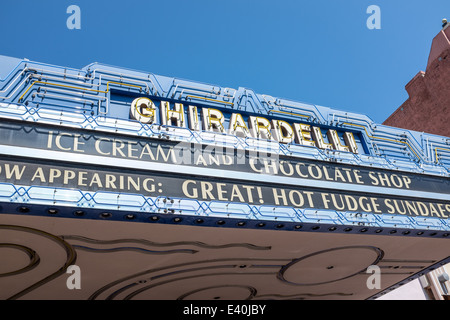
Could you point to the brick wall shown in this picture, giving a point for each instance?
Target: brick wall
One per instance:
(428, 107)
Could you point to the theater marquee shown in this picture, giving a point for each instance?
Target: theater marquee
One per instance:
(307, 194)
(161, 188)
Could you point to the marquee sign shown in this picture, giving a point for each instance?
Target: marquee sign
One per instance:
(302, 173)
(107, 160)
(210, 189)
(145, 110)
(213, 157)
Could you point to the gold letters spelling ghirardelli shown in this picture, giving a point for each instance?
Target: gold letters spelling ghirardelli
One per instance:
(144, 110)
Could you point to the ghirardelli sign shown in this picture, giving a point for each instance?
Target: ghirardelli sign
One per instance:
(150, 111)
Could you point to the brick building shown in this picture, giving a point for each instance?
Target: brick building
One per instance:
(428, 107)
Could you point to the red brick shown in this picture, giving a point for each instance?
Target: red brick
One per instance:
(428, 107)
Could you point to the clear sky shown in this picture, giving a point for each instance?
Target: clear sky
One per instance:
(319, 52)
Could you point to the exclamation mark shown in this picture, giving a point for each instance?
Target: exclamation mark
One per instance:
(260, 194)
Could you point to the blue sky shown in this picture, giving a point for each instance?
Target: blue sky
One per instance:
(319, 52)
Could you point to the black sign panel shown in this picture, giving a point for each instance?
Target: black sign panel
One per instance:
(153, 184)
(85, 142)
